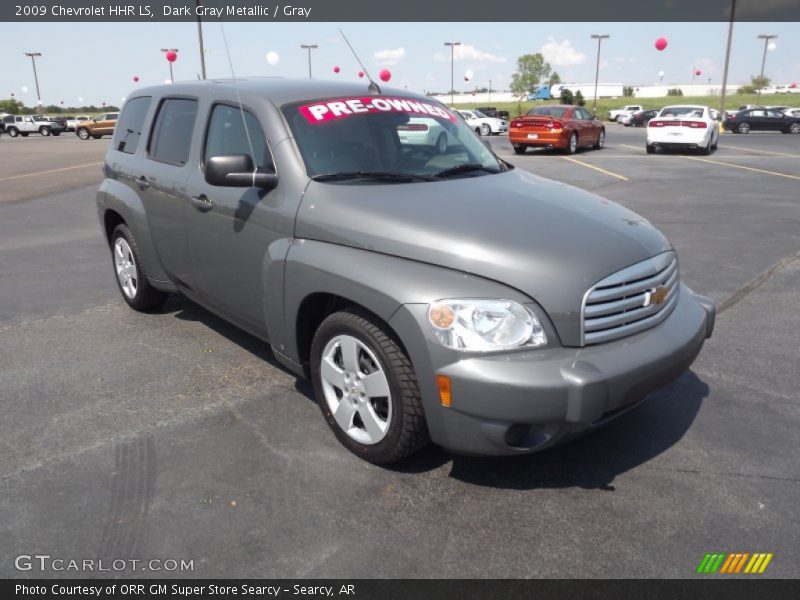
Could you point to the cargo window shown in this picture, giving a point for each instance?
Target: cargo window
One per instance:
(226, 134)
(171, 139)
(129, 129)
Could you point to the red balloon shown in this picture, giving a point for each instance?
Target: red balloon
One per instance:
(698, 72)
(136, 78)
(172, 56)
(336, 69)
(385, 75)
(104, 103)
(62, 102)
(793, 86)
(12, 94)
(661, 44)
(466, 78)
(361, 73)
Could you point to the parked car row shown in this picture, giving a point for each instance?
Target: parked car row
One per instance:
(764, 119)
(84, 127)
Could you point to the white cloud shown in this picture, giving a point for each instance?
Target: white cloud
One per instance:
(562, 54)
(469, 52)
(389, 57)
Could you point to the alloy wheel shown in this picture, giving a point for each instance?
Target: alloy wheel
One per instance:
(125, 266)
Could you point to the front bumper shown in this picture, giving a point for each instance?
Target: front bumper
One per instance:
(521, 402)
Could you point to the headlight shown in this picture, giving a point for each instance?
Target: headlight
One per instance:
(485, 324)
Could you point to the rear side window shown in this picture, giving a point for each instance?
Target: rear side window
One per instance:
(172, 133)
(129, 129)
(227, 135)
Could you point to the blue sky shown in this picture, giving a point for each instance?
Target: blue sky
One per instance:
(97, 61)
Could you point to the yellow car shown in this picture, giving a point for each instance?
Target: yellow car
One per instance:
(97, 127)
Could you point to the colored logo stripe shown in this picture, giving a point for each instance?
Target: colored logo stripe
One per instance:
(734, 562)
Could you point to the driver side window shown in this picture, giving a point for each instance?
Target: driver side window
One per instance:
(228, 130)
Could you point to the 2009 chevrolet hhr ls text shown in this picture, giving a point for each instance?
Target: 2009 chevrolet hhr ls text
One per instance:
(430, 291)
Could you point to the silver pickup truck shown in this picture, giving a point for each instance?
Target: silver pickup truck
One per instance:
(430, 292)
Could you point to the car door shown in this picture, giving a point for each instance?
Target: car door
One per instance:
(161, 181)
(581, 121)
(106, 126)
(776, 121)
(230, 229)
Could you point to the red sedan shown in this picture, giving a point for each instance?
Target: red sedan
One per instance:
(563, 127)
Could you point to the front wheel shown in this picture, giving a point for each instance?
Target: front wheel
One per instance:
(366, 388)
(485, 129)
(131, 277)
(601, 140)
(744, 128)
(794, 128)
(83, 133)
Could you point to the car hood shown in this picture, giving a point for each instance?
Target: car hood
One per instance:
(546, 239)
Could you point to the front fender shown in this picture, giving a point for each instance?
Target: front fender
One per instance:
(116, 196)
(378, 282)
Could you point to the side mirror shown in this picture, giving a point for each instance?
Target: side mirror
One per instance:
(237, 170)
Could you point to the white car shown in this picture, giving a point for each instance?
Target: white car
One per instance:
(614, 115)
(482, 124)
(422, 131)
(73, 122)
(683, 126)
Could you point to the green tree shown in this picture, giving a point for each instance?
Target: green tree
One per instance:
(554, 79)
(11, 106)
(579, 99)
(627, 91)
(566, 96)
(756, 83)
(531, 69)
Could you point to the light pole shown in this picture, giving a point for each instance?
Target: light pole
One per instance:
(727, 62)
(309, 47)
(452, 70)
(165, 50)
(33, 56)
(199, 3)
(490, 91)
(766, 39)
(599, 38)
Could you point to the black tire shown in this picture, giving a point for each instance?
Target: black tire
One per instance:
(44, 130)
(520, 149)
(407, 431)
(601, 140)
(97, 137)
(147, 297)
(650, 149)
(55, 133)
(572, 145)
(486, 130)
(708, 149)
(13, 132)
(83, 133)
(441, 143)
(743, 128)
(794, 128)
(24, 133)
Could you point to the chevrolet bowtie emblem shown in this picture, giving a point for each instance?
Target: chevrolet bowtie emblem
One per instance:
(655, 296)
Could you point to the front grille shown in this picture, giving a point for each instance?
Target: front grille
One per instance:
(627, 302)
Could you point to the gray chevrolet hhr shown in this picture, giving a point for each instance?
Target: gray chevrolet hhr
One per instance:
(430, 290)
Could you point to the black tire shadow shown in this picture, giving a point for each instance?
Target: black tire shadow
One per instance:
(589, 462)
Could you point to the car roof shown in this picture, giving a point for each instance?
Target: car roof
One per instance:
(279, 90)
(685, 106)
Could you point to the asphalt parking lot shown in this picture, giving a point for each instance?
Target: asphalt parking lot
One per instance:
(174, 435)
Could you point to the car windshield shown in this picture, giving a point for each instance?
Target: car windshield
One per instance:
(479, 114)
(387, 140)
(548, 111)
(682, 111)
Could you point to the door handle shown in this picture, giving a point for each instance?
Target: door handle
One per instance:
(143, 183)
(201, 203)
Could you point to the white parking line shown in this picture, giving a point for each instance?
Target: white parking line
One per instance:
(50, 171)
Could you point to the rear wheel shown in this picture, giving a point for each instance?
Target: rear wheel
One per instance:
(572, 144)
(708, 148)
(44, 130)
(83, 133)
(13, 131)
(520, 149)
(744, 128)
(55, 133)
(650, 149)
(131, 278)
(366, 388)
(24, 133)
(441, 143)
(97, 137)
(485, 129)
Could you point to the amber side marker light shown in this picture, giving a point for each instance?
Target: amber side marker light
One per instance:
(443, 383)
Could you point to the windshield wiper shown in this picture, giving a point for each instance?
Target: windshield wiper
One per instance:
(379, 175)
(465, 168)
